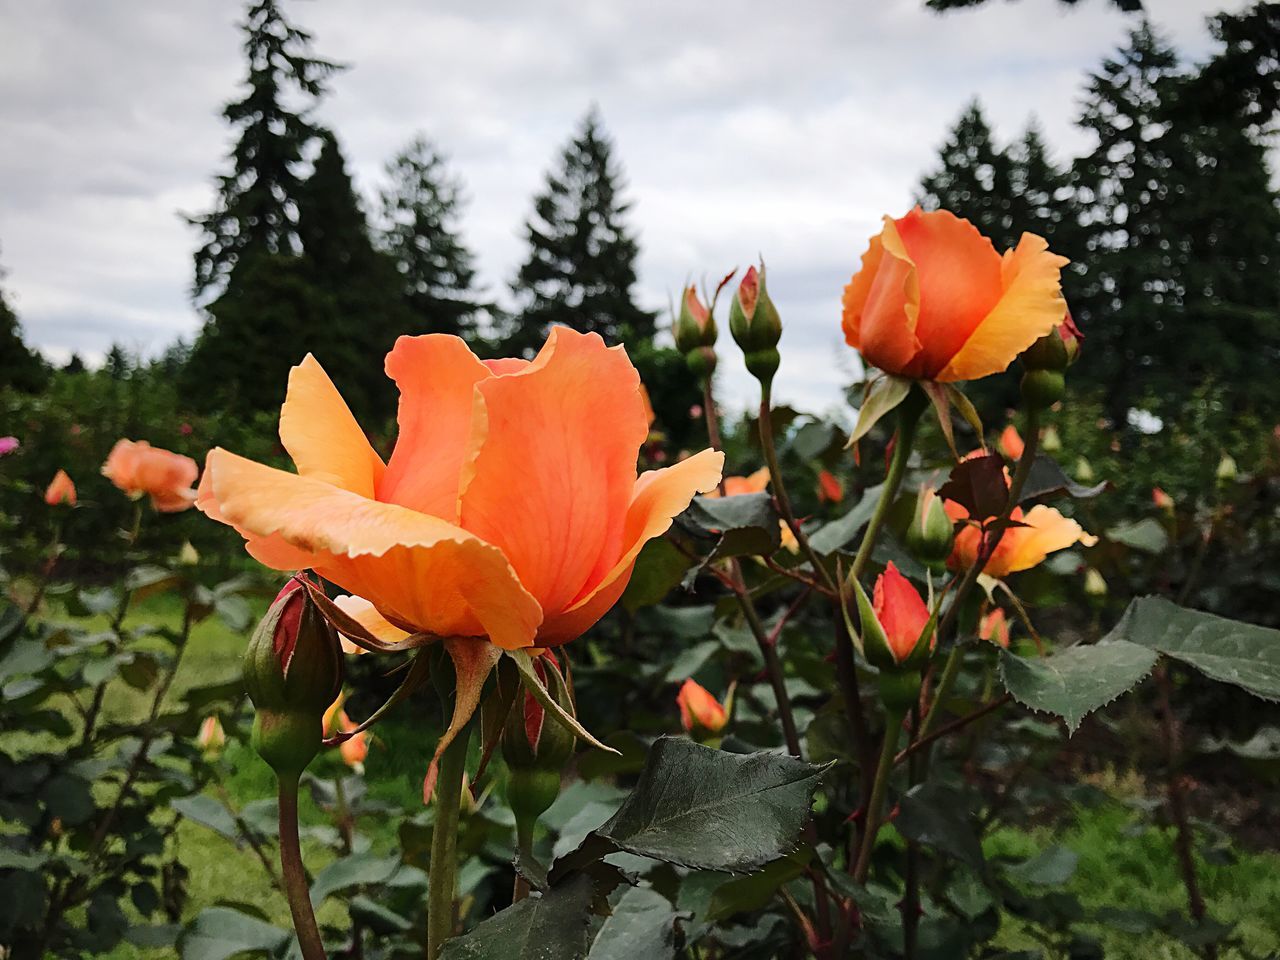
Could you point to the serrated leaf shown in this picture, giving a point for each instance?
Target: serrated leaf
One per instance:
(1242, 654)
(746, 524)
(642, 925)
(1146, 535)
(743, 894)
(935, 815)
(883, 396)
(1077, 681)
(709, 810)
(221, 932)
(552, 926)
(840, 532)
(1047, 479)
(659, 569)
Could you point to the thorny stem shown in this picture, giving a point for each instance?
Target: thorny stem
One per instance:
(295, 874)
(955, 725)
(442, 879)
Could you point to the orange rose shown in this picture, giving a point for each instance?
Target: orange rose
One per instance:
(1044, 531)
(355, 748)
(60, 490)
(510, 508)
(994, 626)
(901, 612)
(1011, 443)
(757, 482)
(139, 468)
(830, 489)
(934, 301)
(699, 709)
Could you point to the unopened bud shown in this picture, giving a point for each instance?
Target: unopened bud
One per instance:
(1043, 388)
(695, 326)
(1226, 471)
(188, 556)
(1094, 584)
(1056, 350)
(1050, 442)
(292, 673)
(756, 326)
(1083, 470)
(536, 748)
(701, 714)
(931, 533)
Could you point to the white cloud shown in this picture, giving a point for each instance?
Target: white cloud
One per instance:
(782, 129)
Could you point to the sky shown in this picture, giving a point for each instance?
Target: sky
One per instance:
(745, 129)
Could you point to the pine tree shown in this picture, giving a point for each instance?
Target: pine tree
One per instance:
(581, 263)
(1043, 198)
(255, 213)
(20, 367)
(359, 282)
(421, 207)
(975, 179)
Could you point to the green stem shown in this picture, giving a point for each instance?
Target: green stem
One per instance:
(443, 876)
(524, 843)
(295, 874)
(908, 417)
(893, 725)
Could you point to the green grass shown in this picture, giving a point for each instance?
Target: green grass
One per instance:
(1121, 864)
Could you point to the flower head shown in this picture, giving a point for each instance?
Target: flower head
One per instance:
(935, 301)
(994, 626)
(140, 469)
(60, 490)
(900, 611)
(1037, 533)
(700, 712)
(8, 445)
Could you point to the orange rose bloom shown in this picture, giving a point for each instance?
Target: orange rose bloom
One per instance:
(994, 626)
(510, 508)
(60, 490)
(355, 748)
(698, 708)
(757, 482)
(139, 468)
(1011, 443)
(1021, 548)
(934, 301)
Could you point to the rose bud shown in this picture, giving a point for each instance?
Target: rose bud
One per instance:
(211, 738)
(536, 747)
(701, 714)
(695, 334)
(1227, 470)
(897, 636)
(292, 673)
(756, 326)
(931, 532)
(995, 627)
(60, 490)
(1162, 500)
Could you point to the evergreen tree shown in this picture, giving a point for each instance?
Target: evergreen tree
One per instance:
(255, 213)
(20, 367)
(1043, 198)
(581, 263)
(975, 179)
(421, 207)
(359, 282)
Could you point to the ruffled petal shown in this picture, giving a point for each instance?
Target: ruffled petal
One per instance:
(1046, 531)
(958, 271)
(881, 304)
(553, 462)
(1030, 306)
(660, 495)
(367, 615)
(320, 434)
(436, 374)
(422, 573)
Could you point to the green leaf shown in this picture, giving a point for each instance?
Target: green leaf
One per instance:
(552, 926)
(353, 871)
(743, 894)
(814, 439)
(840, 532)
(1050, 868)
(659, 569)
(746, 524)
(1078, 680)
(207, 812)
(221, 932)
(1146, 535)
(690, 660)
(709, 810)
(377, 918)
(1047, 479)
(883, 396)
(144, 581)
(1242, 654)
(25, 657)
(642, 925)
(935, 815)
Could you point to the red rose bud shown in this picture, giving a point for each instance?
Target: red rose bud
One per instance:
(830, 489)
(292, 673)
(897, 628)
(931, 532)
(536, 747)
(701, 714)
(1057, 349)
(756, 326)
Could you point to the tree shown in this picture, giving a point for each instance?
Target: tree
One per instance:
(20, 367)
(421, 207)
(255, 212)
(974, 180)
(581, 263)
(359, 282)
(1043, 198)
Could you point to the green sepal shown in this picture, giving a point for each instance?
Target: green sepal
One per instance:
(875, 643)
(899, 691)
(882, 396)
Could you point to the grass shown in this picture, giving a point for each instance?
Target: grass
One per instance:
(1122, 863)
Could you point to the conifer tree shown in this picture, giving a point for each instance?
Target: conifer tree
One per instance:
(420, 208)
(974, 180)
(1043, 197)
(581, 263)
(21, 368)
(256, 209)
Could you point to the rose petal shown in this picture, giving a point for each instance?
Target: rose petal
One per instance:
(882, 302)
(320, 434)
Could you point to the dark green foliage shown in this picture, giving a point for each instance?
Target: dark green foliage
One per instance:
(581, 263)
(419, 228)
(20, 367)
(256, 211)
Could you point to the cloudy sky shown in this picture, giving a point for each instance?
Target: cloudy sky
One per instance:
(750, 127)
